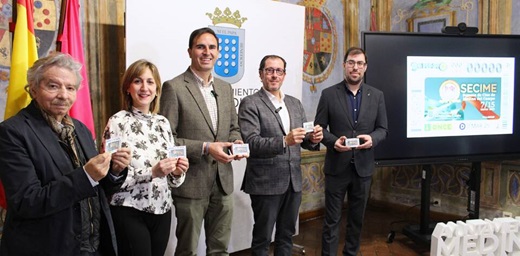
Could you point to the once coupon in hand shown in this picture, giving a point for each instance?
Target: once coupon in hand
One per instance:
(352, 142)
(112, 145)
(308, 126)
(177, 151)
(241, 149)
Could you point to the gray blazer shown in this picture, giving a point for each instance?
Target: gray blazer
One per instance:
(184, 106)
(270, 167)
(334, 113)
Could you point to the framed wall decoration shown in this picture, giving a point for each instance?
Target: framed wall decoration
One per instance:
(431, 19)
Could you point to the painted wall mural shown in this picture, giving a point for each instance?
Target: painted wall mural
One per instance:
(432, 15)
(45, 17)
(320, 50)
(323, 43)
(515, 21)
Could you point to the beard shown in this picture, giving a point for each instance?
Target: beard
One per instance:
(354, 81)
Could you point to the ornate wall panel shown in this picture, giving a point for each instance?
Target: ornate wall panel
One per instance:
(313, 197)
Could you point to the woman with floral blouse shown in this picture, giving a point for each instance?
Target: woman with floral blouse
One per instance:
(141, 209)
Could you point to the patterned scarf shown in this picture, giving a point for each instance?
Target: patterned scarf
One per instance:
(65, 132)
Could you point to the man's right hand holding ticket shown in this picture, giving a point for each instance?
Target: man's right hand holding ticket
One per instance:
(316, 135)
(218, 151)
(340, 146)
(295, 136)
(97, 167)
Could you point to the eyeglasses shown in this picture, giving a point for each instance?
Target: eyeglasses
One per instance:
(271, 71)
(351, 63)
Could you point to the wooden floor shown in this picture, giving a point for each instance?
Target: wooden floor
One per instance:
(377, 226)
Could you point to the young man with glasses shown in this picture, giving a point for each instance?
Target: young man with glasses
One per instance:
(271, 122)
(355, 115)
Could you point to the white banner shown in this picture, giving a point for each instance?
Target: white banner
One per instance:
(159, 31)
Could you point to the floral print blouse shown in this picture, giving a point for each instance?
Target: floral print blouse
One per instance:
(148, 136)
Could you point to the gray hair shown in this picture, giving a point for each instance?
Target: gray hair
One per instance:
(35, 74)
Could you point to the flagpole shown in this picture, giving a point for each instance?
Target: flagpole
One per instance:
(14, 14)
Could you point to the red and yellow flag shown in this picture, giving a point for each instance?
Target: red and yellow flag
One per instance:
(23, 55)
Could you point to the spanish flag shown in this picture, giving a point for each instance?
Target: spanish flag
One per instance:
(23, 55)
(71, 42)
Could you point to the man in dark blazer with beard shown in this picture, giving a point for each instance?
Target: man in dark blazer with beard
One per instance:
(271, 122)
(350, 109)
(55, 181)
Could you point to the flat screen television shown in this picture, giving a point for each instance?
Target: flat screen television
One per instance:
(449, 98)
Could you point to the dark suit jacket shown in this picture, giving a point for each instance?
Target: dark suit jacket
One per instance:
(271, 167)
(43, 189)
(334, 115)
(184, 106)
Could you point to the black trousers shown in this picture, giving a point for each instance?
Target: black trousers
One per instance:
(140, 233)
(357, 190)
(271, 210)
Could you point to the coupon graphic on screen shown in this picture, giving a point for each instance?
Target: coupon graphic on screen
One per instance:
(462, 98)
(459, 96)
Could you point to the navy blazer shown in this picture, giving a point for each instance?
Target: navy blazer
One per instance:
(334, 115)
(271, 167)
(43, 189)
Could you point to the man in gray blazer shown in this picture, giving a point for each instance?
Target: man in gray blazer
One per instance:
(350, 109)
(271, 122)
(203, 117)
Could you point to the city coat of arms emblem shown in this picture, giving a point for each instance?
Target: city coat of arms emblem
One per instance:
(230, 63)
